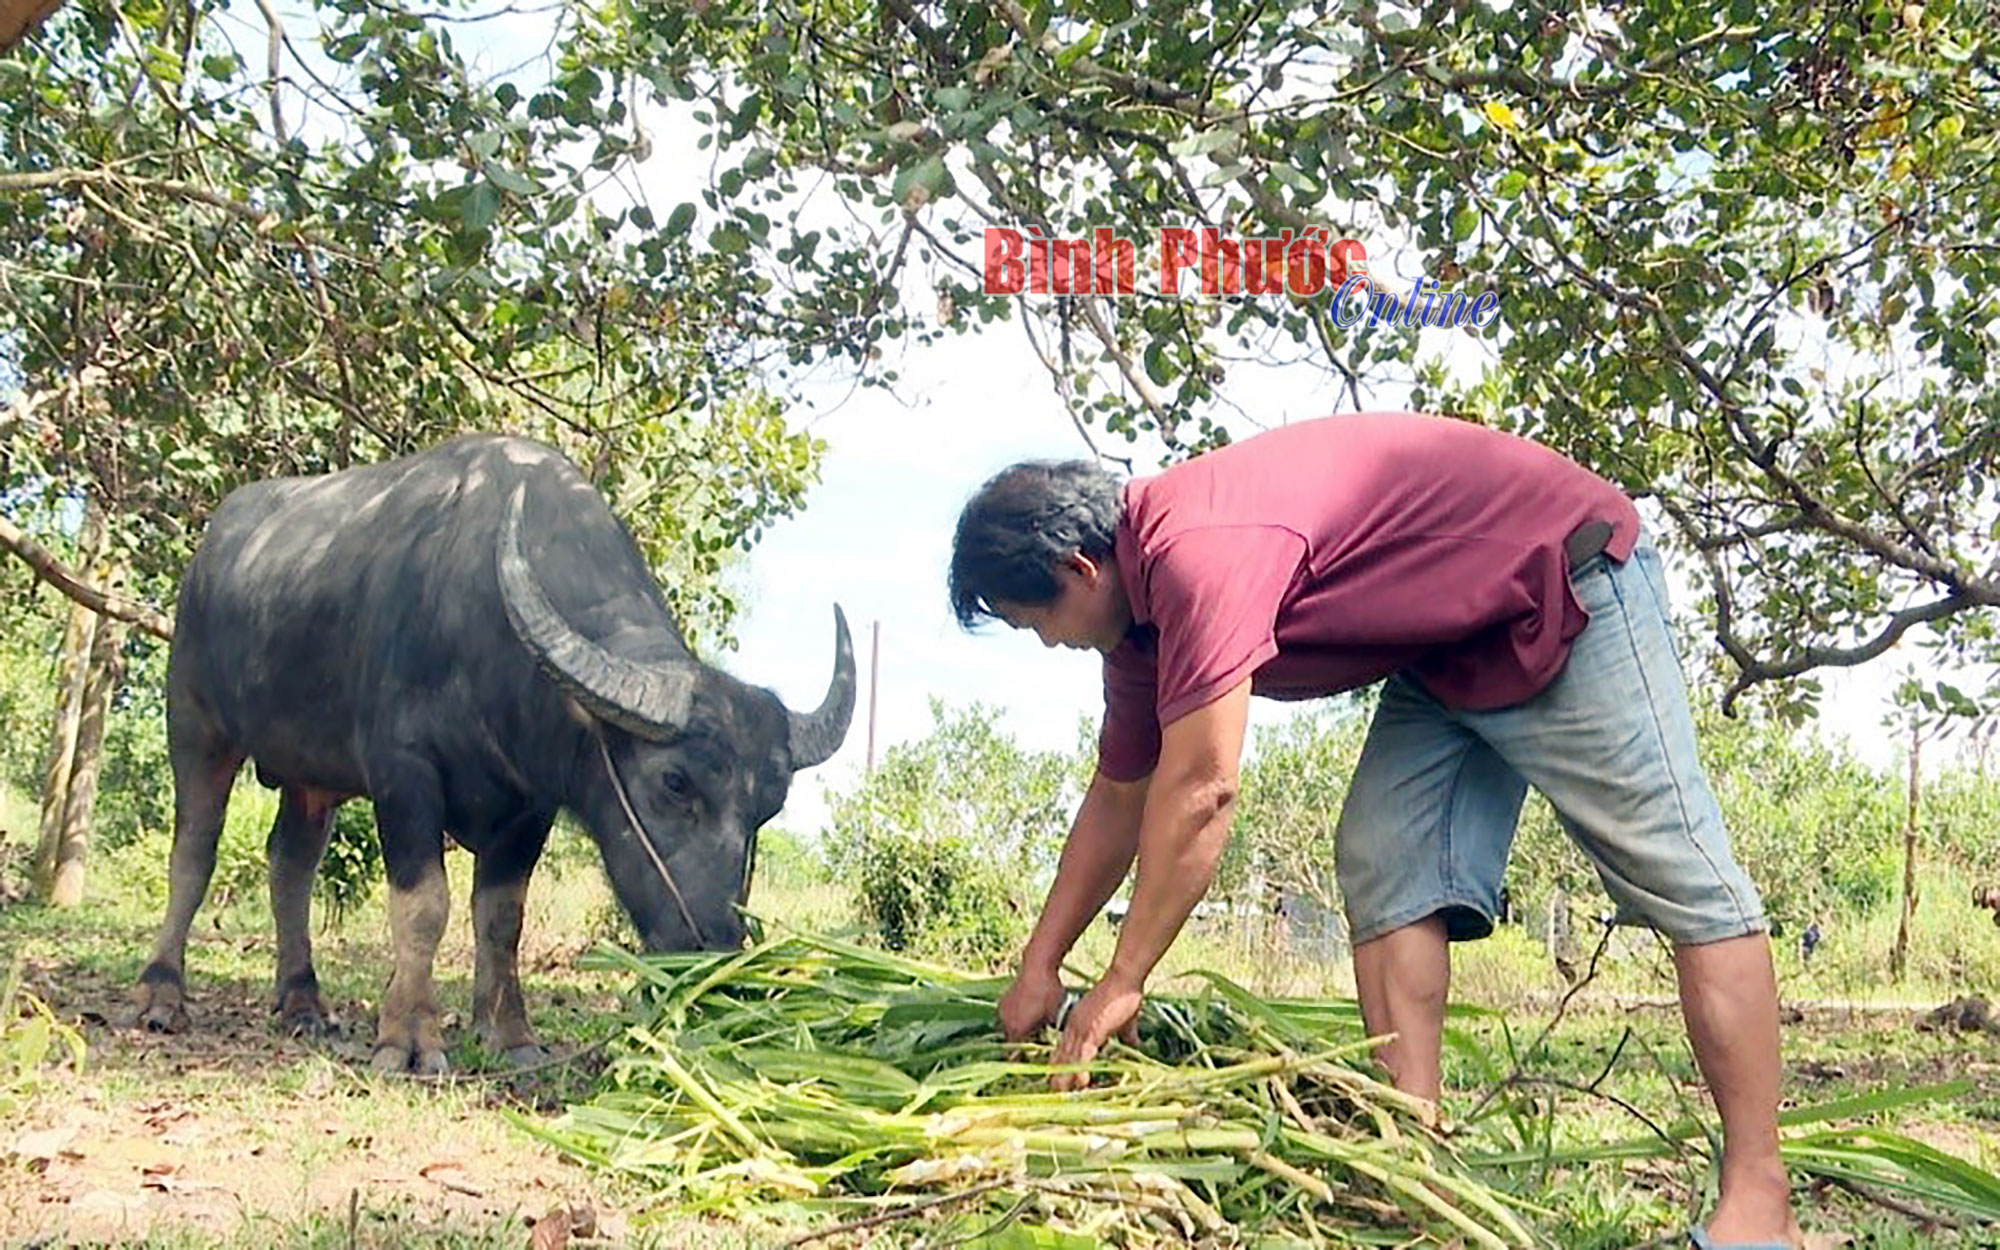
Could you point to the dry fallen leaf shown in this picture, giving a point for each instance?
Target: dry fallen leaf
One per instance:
(165, 1178)
(163, 1118)
(551, 1231)
(108, 1202)
(187, 1135)
(439, 1174)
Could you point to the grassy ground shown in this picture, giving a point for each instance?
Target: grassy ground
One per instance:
(233, 1135)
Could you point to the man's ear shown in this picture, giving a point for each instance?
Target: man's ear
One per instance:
(1083, 566)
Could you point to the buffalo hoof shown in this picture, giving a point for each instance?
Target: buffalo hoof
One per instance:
(396, 1058)
(157, 1007)
(300, 1017)
(526, 1056)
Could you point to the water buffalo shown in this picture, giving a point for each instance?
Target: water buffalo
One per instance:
(471, 639)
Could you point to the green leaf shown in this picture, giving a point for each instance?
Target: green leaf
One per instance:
(1019, 1236)
(508, 180)
(1080, 49)
(482, 205)
(927, 176)
(1293, 178)
(681, 220)
(1203, 142)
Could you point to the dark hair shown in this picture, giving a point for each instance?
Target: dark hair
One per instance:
(1025, 521)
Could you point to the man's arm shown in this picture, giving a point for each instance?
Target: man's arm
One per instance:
(1188, 808)
(1103, 839)
(1184, 829)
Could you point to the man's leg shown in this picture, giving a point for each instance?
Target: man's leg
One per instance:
(1402, 978)
(1611, 742)
(1729, 998)
(1420, 853)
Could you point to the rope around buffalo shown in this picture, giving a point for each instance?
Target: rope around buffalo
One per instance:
(639, 832)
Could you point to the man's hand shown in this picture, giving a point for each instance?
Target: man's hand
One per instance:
(1031, 1002)
(1110, 1009)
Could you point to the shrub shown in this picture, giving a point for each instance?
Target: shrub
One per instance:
(32, 1039)
(786, 861)
(353, 862)
(140, 868)
(936, 896)
(948, 843)
(135, 792)
(34, 618)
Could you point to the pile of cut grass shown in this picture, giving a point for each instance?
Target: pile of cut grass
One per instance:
(813, 1084)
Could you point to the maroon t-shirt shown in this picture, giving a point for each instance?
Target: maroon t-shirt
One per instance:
(1323, 556)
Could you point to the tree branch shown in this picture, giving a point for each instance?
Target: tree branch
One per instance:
(50, 569)
(1753, 670)
(1137, 86)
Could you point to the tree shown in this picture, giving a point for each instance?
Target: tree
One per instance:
(222, 271)
(950, 841)
(227, 264)
(92, 659)
(1925, 716)
(1744, 254)
(1292, 789)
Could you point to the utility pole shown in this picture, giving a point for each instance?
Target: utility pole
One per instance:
(874, 678)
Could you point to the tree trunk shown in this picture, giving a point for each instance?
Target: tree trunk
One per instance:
(1561, 940)
(1899, 955)
(107, 668)
(90, 669)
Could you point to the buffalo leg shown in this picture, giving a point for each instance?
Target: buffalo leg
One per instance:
(298, 842)
(409, 817)
(499, 894)
(201, 799)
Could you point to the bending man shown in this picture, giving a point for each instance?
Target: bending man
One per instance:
(1518, 618)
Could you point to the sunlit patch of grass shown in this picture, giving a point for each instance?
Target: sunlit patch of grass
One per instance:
(1605, 1211)
(18, 816)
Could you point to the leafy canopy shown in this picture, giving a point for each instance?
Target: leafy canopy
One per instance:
(1746, 253)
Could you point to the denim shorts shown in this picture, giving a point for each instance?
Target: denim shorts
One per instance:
(1433, 806)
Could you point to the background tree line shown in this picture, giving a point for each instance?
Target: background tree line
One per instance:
(950, 843)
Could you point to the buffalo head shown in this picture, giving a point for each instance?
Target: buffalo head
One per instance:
(686, 765)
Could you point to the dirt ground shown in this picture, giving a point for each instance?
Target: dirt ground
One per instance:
(232, 1122)
(232, 1133)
